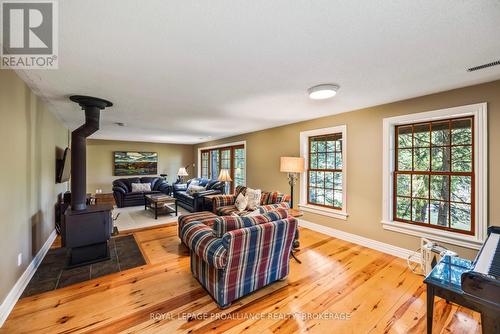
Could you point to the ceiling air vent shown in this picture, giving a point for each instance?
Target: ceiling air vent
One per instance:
(481, 67)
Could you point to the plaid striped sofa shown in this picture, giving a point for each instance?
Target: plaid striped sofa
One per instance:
(223, 205)
(238, 255)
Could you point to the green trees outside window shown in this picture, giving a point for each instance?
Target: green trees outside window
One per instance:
(325, 171)
(434, 174)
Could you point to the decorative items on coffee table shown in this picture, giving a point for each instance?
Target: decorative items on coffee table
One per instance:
(160, 204)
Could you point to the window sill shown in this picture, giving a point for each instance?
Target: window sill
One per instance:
(323, 211)
(456, 239)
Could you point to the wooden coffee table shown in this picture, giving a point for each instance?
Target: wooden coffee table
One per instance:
(160, 204)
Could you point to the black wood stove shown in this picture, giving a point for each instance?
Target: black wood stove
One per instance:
(86, 229)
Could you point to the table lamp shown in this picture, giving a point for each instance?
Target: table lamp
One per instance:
(181, 173)
(293, 166)
(224, 177)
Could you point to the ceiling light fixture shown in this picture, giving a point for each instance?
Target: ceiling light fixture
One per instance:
(324, 91)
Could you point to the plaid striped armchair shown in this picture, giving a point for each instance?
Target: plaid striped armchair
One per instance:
(223, 205)
(239, 255)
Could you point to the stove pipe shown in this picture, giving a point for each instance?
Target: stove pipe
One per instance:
(92, 107)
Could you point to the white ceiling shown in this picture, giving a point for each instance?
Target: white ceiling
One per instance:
(188, 71)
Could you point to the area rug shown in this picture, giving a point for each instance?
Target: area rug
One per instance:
(135, 217)
(51, 274)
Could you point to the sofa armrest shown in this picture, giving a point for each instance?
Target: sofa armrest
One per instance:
(206, 192)
(179, 187)
(119, 189)
(165, 188)
(222, 200)
(200, 240)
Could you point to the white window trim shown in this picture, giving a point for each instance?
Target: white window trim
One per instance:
(244, 143)
(304, 153)
(479, 111)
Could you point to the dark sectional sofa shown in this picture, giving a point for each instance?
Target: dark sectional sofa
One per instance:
(195, 202)
(122, 190)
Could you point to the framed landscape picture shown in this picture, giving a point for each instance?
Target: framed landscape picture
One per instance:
(135, 163)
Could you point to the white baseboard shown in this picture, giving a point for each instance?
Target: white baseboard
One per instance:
(356, 239)
(14, 294)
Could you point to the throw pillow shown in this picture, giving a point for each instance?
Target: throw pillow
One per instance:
(193, 189)
(141, 187)
(240, 190)
(253, 198)
(241, 202)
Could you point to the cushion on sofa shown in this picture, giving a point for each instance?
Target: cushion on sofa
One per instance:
(193, 189)
(211, 184)
(269, 197)
(141, 187)
(240, 190)
(225, 224)
(241, 202)
(228, 210)
(272, 207)
(253, 198)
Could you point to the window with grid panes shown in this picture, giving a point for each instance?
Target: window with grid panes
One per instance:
(434, 174)
(239, 167)
(232, 158)
(214, 164)
(204, 164)
(324, 186)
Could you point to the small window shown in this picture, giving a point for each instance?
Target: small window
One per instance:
(434, 174)
(324, 173)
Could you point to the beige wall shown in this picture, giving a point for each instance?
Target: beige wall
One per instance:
(100, 160)
(31, 138)
(364, 159)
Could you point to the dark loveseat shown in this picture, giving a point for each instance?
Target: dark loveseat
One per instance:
(122, 190)
(195, 202)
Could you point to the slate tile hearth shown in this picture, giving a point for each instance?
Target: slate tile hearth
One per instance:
(51, 274)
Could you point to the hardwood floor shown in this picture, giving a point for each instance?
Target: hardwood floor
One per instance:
(378, 292)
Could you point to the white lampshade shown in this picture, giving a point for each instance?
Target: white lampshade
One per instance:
(182, 172)
(224, 176)
(291, 165)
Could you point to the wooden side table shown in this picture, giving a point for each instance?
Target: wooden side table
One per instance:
(295, 213)
(104, 198)
(296, 243)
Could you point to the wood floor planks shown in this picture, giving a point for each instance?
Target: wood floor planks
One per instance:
(376, 290)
